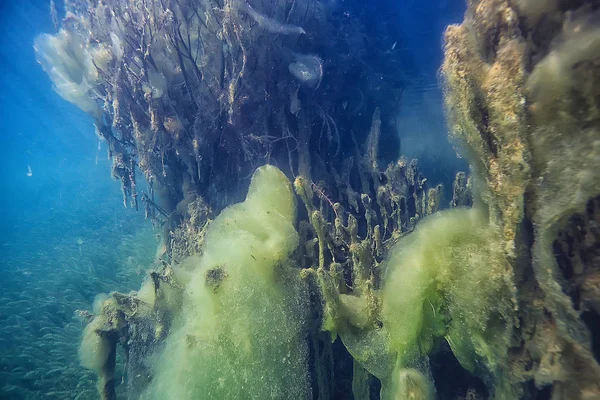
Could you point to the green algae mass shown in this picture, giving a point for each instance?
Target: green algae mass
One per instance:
(410, 384)
(243, 336)
(449, 279)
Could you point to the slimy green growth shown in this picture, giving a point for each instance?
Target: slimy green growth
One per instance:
(240, 333)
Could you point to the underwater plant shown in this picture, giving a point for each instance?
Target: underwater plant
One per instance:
(263, 299)
(240, 332)
(526, 110)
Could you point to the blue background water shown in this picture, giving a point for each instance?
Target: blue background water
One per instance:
(42, 130)
(64, 234)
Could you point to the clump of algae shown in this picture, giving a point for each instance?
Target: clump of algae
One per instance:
(240, 333)
(410, 384)
(447, 279)
(522, 96)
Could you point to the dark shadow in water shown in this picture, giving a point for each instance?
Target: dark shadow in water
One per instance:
(452, 381)
(592, 320)
(343, 365)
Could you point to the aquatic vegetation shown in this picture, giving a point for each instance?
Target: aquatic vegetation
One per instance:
(240, 332)
(411, 384)
(522, 105)
(449, 279)
(71, 68)
(200, 82)
(245, 301)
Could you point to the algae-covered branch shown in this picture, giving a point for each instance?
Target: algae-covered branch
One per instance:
(344, 273)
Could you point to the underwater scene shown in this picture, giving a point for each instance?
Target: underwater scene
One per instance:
(300, 199)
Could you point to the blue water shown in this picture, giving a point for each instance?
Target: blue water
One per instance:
(64, 233)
